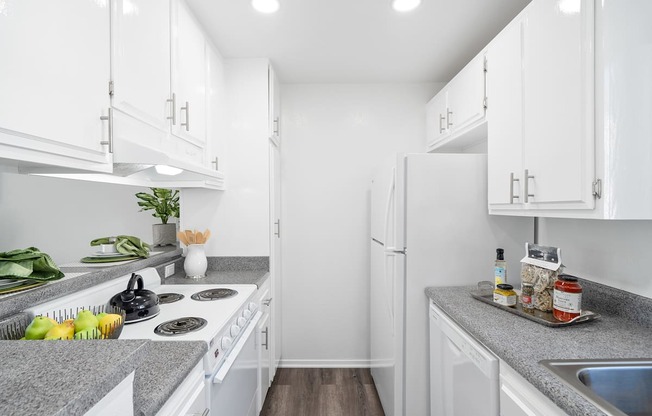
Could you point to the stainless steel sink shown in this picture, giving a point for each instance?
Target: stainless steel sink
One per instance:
(617, 387)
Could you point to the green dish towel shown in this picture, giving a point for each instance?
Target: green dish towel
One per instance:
(125, 244)
(29, 263)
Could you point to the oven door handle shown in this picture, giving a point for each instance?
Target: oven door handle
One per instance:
(220, 375)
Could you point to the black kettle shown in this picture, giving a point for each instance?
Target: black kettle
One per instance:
(139, 304)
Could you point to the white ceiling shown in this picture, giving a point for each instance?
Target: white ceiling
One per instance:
(357, 41)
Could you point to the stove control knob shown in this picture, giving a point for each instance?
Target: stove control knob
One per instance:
(253, 307)
(246, 313)
(235, 330)
(242, 321)
(226, 342)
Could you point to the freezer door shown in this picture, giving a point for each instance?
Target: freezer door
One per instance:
(383, 193)
(387, 271)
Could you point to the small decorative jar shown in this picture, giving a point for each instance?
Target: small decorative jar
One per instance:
(196, 263)
(567, 298)
(527, 294)
(504, 295)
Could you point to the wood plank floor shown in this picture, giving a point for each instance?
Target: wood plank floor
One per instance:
(322, 392)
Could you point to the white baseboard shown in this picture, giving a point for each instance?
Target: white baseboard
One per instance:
(286, 363)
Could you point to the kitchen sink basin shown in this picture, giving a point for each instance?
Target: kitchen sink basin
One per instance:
(617, 387)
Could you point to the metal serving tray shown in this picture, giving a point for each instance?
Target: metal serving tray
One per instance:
(543, 318)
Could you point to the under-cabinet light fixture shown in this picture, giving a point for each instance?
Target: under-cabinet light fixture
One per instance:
(167, 170)
(265, 6)
(405, 5)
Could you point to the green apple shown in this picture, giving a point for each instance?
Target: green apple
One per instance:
(85, 320)
(88, 333)
(39, 326)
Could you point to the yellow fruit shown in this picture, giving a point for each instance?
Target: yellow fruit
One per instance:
(109, 322)
(65, 330)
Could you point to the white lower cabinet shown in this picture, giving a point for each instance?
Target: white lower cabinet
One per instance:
(118, 401)
(520, 398)
(264, 343)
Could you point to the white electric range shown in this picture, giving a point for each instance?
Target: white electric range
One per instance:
(223, 316)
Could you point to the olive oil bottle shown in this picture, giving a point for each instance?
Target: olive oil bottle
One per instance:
(500, 268)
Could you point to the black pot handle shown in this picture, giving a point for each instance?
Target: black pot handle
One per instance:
(129, 295)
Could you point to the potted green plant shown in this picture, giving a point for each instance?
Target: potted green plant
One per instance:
(165, 204)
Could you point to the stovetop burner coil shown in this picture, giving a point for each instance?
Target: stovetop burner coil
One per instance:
(164, 298)
(180, 326)
(214, 294)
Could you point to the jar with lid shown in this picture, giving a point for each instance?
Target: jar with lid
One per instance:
(504, 295)
(567, 298)
(527, 295)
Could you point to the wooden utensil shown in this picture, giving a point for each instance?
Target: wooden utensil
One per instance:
(199, 237)
(190, 236)
(207, 234)
(182, 237)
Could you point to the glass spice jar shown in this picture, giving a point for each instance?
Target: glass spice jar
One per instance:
(527, 293)
(567, 298)
(504, 295)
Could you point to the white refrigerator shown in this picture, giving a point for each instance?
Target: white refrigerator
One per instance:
(429, 227)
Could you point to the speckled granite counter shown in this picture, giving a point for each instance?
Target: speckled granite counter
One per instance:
(69, 377)
(14, 303)
(255, 277)
(57, 378)
(165, 366)
(522, 343)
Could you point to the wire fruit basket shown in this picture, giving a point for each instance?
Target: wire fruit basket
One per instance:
(16, 330)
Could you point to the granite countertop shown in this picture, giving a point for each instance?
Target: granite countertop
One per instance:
(70, 377)
(521, 343)
(216, 277)
(63, 377)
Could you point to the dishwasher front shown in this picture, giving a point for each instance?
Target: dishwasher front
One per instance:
(464, 378)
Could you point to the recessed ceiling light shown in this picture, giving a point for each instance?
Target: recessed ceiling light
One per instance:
(265, 6)
(405, 5)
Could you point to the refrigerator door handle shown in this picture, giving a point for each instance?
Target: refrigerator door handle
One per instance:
(390, 199)
(389, 285)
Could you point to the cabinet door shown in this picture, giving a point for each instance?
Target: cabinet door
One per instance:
(274, 106)
(140, 59)
(215, 109)
(275, 257)
(188, 74)
(54, 76)
(466, 96)
(436, 128)
(504, 116)
(558, 102)
(263, 382)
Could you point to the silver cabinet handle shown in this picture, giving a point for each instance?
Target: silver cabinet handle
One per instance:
(173, 101)
(267, 302)
(276, 126)
(512, 179)
(215, 163)
(108, 118)
(449, 119)
(205, 412)
(187, 110)
(526, 190)
(277, 224)
(441, 128)
(266, 343)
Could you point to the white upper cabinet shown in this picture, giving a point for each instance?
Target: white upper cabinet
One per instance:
(274, 106)
(54, 78)
(456, 114)
(504, 115)
(140, 61)
(541, 111)
(188, 74)
(215, 108)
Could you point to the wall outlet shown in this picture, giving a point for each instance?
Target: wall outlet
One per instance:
(169, 270)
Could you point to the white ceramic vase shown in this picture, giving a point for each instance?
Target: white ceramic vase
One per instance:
(196, 263)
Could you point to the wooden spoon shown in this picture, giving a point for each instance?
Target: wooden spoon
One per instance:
(190, 236)
(199, 237)
(207, 234)
(182, 237)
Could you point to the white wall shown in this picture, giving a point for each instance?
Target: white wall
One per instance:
(333, 138)
(62, 216)
(614, 253)
(239, 217)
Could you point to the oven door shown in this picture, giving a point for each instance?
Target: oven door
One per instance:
(234, 385)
